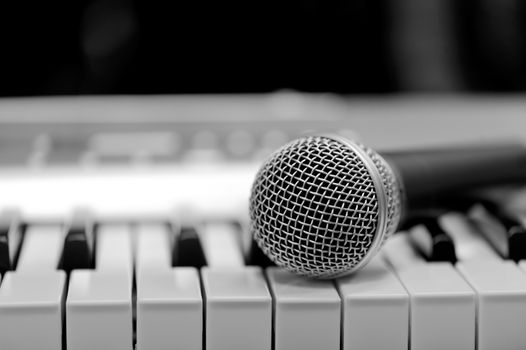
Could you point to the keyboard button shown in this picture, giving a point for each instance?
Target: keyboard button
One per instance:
(501, 302)
(503, 230)
(99, 303)
(373, 299)
(187, 249)
(11, 232)
(41, 248)
(468, 242)
(31, 310)
(153, 247)
(222, 245)
(256, 257)
(432, 241)
(79, 242)
(442, 312)
(306, 312)
(169, 309)
(238, 309)
(399, 251)
(169, 302)
(31, 297)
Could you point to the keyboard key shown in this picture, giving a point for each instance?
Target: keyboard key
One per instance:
(374, 299)
(256, 257)
(79, 242)
(238, 308)
(468, 242)
(31, 297)
(187, 249)
(399, 251)
(169, 309)
(99, 303)
(501, 302)
(432, 241)
(306, 312)
(504, 231)
(11, 232)
(442, 312)
(153, 247)
(221, 245)
(31, 310)
(41, 248)
(165, 295)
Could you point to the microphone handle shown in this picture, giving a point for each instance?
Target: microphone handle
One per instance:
(428, 175)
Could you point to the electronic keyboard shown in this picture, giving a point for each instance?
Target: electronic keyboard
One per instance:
(124, 225)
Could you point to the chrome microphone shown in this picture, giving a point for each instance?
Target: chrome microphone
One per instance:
(322, 206)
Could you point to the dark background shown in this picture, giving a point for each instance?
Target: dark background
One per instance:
(349, 47)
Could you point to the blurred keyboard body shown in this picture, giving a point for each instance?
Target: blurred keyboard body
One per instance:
(123, 223)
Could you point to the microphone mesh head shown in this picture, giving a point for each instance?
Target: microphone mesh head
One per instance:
(322, 206)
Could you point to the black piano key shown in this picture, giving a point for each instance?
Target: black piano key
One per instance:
(187, 249)
(430, 239)
(503, 230)
(256, 256)
(79, 242)
(11, 233)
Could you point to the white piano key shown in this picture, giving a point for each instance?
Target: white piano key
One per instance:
(221, 245)
(442, 311)
(501, 302)
(400, 253)
(152, 247)
(30, 310)
(169, 302)
(238, 309)
(41, 248)
(375, 309)
(31, 297)
(306, 312)
(469, 244)
(169, 309)
(99, 302)
(114, 249)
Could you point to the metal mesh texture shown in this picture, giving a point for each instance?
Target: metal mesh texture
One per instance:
(314, 207)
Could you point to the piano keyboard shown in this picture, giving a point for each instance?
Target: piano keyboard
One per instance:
(111, 238)
(162, 285)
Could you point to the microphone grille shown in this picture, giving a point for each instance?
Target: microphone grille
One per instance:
(320, 205)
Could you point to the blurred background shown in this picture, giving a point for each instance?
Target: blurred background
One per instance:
(185, 47)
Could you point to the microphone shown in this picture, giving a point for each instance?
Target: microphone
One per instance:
(322, 206)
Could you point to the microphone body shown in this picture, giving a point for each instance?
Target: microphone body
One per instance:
(427, 175)
(322, 206)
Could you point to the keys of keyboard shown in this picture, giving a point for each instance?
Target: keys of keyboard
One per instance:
(256, 256)
(221, 245)
(187, 249)
(467, 239)
(400, 253)
(153, 247)
(442, 312)
(10, 239)
(505, 233)
(306, 312)
(238, 309)
(432, 241)
(501, 294)
(500, 287)
(169, 302)
(373, 300)
(41, 249)
(79, 242)
(31, 297)
(99, 303)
